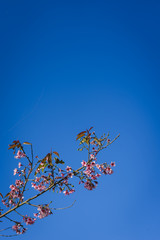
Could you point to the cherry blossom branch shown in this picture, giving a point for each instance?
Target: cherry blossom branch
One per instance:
(47, 176)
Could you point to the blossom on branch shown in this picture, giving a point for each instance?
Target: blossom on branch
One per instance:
(49, 175)
(20, 155)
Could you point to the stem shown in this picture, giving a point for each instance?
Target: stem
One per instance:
(5, 229)
(64, 207)
(32, 153)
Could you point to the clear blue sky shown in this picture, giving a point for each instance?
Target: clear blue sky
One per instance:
(69, 65)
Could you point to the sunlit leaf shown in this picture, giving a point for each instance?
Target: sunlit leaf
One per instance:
(27, 143)
(56, 153)
(1, 195)
(80, 149)
(97, 140)
(12, 146)
(81, 133)
(79, 136)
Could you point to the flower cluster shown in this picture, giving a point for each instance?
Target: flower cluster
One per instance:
(44, 211)
(19, 228)
(20, 155)
(29, 220)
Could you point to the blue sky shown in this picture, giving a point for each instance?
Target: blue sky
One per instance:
(69, 65)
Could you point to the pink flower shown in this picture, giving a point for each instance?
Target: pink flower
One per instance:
(70, 175)
(39, 187)
(98, 166)
(92, 156)
(93, 142)
(19, 183)
(113, 164)
(44, 211)
(89, 185)
(20, 155)
(98, 175)
(110, 172)
(15, 171)
(35, 214)
(13, 188)
(93, 163)
(71, 191)
(19, 165)
(37, 179)
(84, 164)
(68, 169)
(17, 228)
(29, 220)
(66, 192)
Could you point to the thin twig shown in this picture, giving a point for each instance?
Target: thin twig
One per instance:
(64, 207)
(19, 213)
(10, 219)
(5, 229)
(14, 235)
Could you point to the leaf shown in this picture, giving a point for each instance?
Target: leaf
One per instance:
(97, 140)
(7, 194)
(90, 129)
(58, 177)
(57, 161)
(80, 149)
(12, 146)
(27, 143)
(49, 158)
(81, 133)
(1, 195)
(79, 136)
(56, 153)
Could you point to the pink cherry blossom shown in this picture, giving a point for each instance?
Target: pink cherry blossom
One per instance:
(83, 163)
(89, 185)
(15, 171)
(37, 179)
(71, 191)
(92, 156)
(20, 155)
(70, 175)
(68, 169)
(66, 192)
(13, 188)
(29, 220)
(44, 211)
(19, 183)
(113, 164)
(19, 164)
